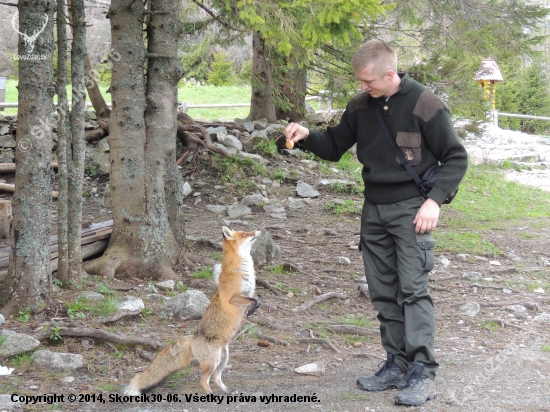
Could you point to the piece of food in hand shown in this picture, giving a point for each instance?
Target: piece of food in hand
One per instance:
(289, 144)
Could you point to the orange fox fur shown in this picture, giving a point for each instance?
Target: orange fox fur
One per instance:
(220, 322)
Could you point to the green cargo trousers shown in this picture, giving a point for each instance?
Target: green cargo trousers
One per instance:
(397, 262)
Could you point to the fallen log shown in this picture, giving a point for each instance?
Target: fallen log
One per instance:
(115, 337)
(7, 187)
(10, 167)
(85, 240)
(306, 305)
(87, 251)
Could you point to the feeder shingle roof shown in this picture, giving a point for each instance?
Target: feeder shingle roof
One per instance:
(489, 71)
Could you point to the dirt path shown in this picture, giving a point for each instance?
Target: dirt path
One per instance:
(495, 360)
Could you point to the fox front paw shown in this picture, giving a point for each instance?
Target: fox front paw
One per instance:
(254, 306)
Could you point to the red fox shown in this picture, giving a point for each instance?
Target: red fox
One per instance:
(220, 322)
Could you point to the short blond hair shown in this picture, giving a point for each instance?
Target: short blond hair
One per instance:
(377, 52)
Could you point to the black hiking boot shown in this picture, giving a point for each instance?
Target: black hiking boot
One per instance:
(419, 387)
(389, 376)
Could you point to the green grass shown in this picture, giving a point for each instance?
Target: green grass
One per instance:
(491, 325)
(186, 93)
(203, 274)
(344, 207)
(486, 201)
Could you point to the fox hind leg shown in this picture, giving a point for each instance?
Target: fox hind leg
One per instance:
(221, 366)
(209, 357)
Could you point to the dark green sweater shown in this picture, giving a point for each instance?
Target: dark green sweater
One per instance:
(421, 124)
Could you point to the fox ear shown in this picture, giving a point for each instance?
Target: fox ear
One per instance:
(227, 233)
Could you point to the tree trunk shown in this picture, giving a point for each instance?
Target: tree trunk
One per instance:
(102, 111)
(63, 131)
(293, 89)
(28, 282)
(262, 104)
(77, 142)
(141, 133)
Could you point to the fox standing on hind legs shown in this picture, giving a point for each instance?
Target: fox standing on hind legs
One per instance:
(220, 322)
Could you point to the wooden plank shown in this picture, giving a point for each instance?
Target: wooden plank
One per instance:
(5, 251)
(87, 251)
(7, 187)
(10, 167)
(93, 233)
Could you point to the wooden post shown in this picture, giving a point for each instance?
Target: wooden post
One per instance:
(5, 218)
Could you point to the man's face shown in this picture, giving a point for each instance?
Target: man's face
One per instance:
(374, 84)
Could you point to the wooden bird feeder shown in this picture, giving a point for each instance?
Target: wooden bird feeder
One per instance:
(487, 75)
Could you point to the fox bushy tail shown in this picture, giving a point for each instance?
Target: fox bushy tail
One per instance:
(171, 359)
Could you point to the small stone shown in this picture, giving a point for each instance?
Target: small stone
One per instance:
(507, 291)
(470, 309)
(512, 256)
(151, 289)
(462, 256)
(474, 276)
(92, 296)
(517, 308)
(495, 263)
(314, 369)
(445, 262)
(344, 260)
(68, 379)
(218, 209)
(538, 290)
(166, 284)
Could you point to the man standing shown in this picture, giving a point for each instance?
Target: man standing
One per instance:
(397, 221)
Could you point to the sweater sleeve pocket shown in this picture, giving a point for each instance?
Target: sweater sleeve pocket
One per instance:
(409, 143)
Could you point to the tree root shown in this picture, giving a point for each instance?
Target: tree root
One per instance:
(306, 305)
(320, 341)
(265, 284)
(118, 260)
(118, 316)
(272, 339)
(353, 330)
(100, 334)
(273, 324)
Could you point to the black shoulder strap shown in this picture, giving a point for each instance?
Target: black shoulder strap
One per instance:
(398, 151)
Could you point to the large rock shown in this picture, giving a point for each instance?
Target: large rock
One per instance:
(305, 190)
(188, 305)
(16, 343)
(234, 211)
(58, 360)
(6, 140)
(130, 303)
(97, 162)
(265, 250)
(230, 141)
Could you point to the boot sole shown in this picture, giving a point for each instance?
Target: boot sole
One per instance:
(380, 388)
(416, 403)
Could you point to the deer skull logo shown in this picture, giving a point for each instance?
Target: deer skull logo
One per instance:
(29, 40)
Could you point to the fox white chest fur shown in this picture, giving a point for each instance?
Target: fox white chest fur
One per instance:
(249, 276)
